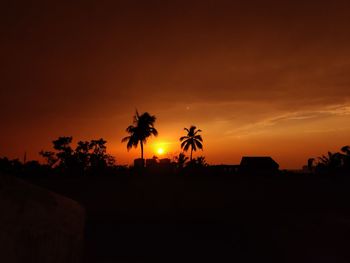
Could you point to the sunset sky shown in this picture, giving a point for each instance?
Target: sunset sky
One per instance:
(258, 77)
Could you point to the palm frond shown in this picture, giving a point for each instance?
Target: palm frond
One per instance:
(183, 138)
(126, 138)
(142, 128)
(192, 139)
(130, 129)
(198, 137)
(154, 132)
(183, 144)
(346, 149)
(198, 144)
(197, 131)
(186, 146)
(193, 145)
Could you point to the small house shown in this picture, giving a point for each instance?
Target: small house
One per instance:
(260, 165)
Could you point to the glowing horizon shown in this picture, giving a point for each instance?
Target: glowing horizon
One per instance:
(258, 81)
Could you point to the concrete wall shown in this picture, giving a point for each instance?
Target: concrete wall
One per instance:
(37, 225)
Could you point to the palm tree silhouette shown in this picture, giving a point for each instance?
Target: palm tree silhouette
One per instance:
(346, 150)
(140, 130)
(192, 139)
(332, 161)
(310, 163)
(346, 156)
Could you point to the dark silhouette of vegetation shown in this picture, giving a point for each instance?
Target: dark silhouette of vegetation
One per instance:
(99, 159)
(192, 140)
(338, 162)
(346, 157)
(140, 130)
(181, 160)
(310, 164)
(87, 157)
(218, 193)
(91, 157)
(332, 160)
(198, 162)
(64, 152)
(49, 157)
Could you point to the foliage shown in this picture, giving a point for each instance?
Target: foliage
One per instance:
(192, 140)
(338, 162)
(87, 157)
(49, 157)
(181, 160)
(198, 162)
(140, 130)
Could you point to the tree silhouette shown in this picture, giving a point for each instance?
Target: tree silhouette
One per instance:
(310, 163)
(201, 162)
(64, 151)
(140, 130)
(198, 162)
(82, 154)
(88, 157)
(192, 139)
(346, 150)
(49, 157)
(98, 157)
(181, 159)
(331, 162)
(346, 157)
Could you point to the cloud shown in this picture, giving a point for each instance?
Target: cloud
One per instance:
(289, 120)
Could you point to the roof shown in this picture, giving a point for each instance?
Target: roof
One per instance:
(258, 162)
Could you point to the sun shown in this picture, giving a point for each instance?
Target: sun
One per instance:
(160, 151)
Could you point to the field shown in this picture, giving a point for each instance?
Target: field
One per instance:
(211, 218)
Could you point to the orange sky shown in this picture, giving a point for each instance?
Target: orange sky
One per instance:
(259, 78)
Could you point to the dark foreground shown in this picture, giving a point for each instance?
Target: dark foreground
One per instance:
(212, 219)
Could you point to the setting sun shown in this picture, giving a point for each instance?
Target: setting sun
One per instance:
(161, 147)
(160, 151)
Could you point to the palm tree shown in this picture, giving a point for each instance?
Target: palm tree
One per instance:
(346, 150)
(310, 163)
(332, 161)
(192, 139)
(346, 156)
(140, 130)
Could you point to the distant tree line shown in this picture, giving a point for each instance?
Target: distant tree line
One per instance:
(87, 157)
(91, 157)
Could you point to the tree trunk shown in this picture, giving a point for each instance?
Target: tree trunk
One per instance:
(143, 162)
(141, 150)
(191, 154)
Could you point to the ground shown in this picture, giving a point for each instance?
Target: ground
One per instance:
(212, 218)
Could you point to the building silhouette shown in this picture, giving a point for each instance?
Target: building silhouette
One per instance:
(260, 165)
